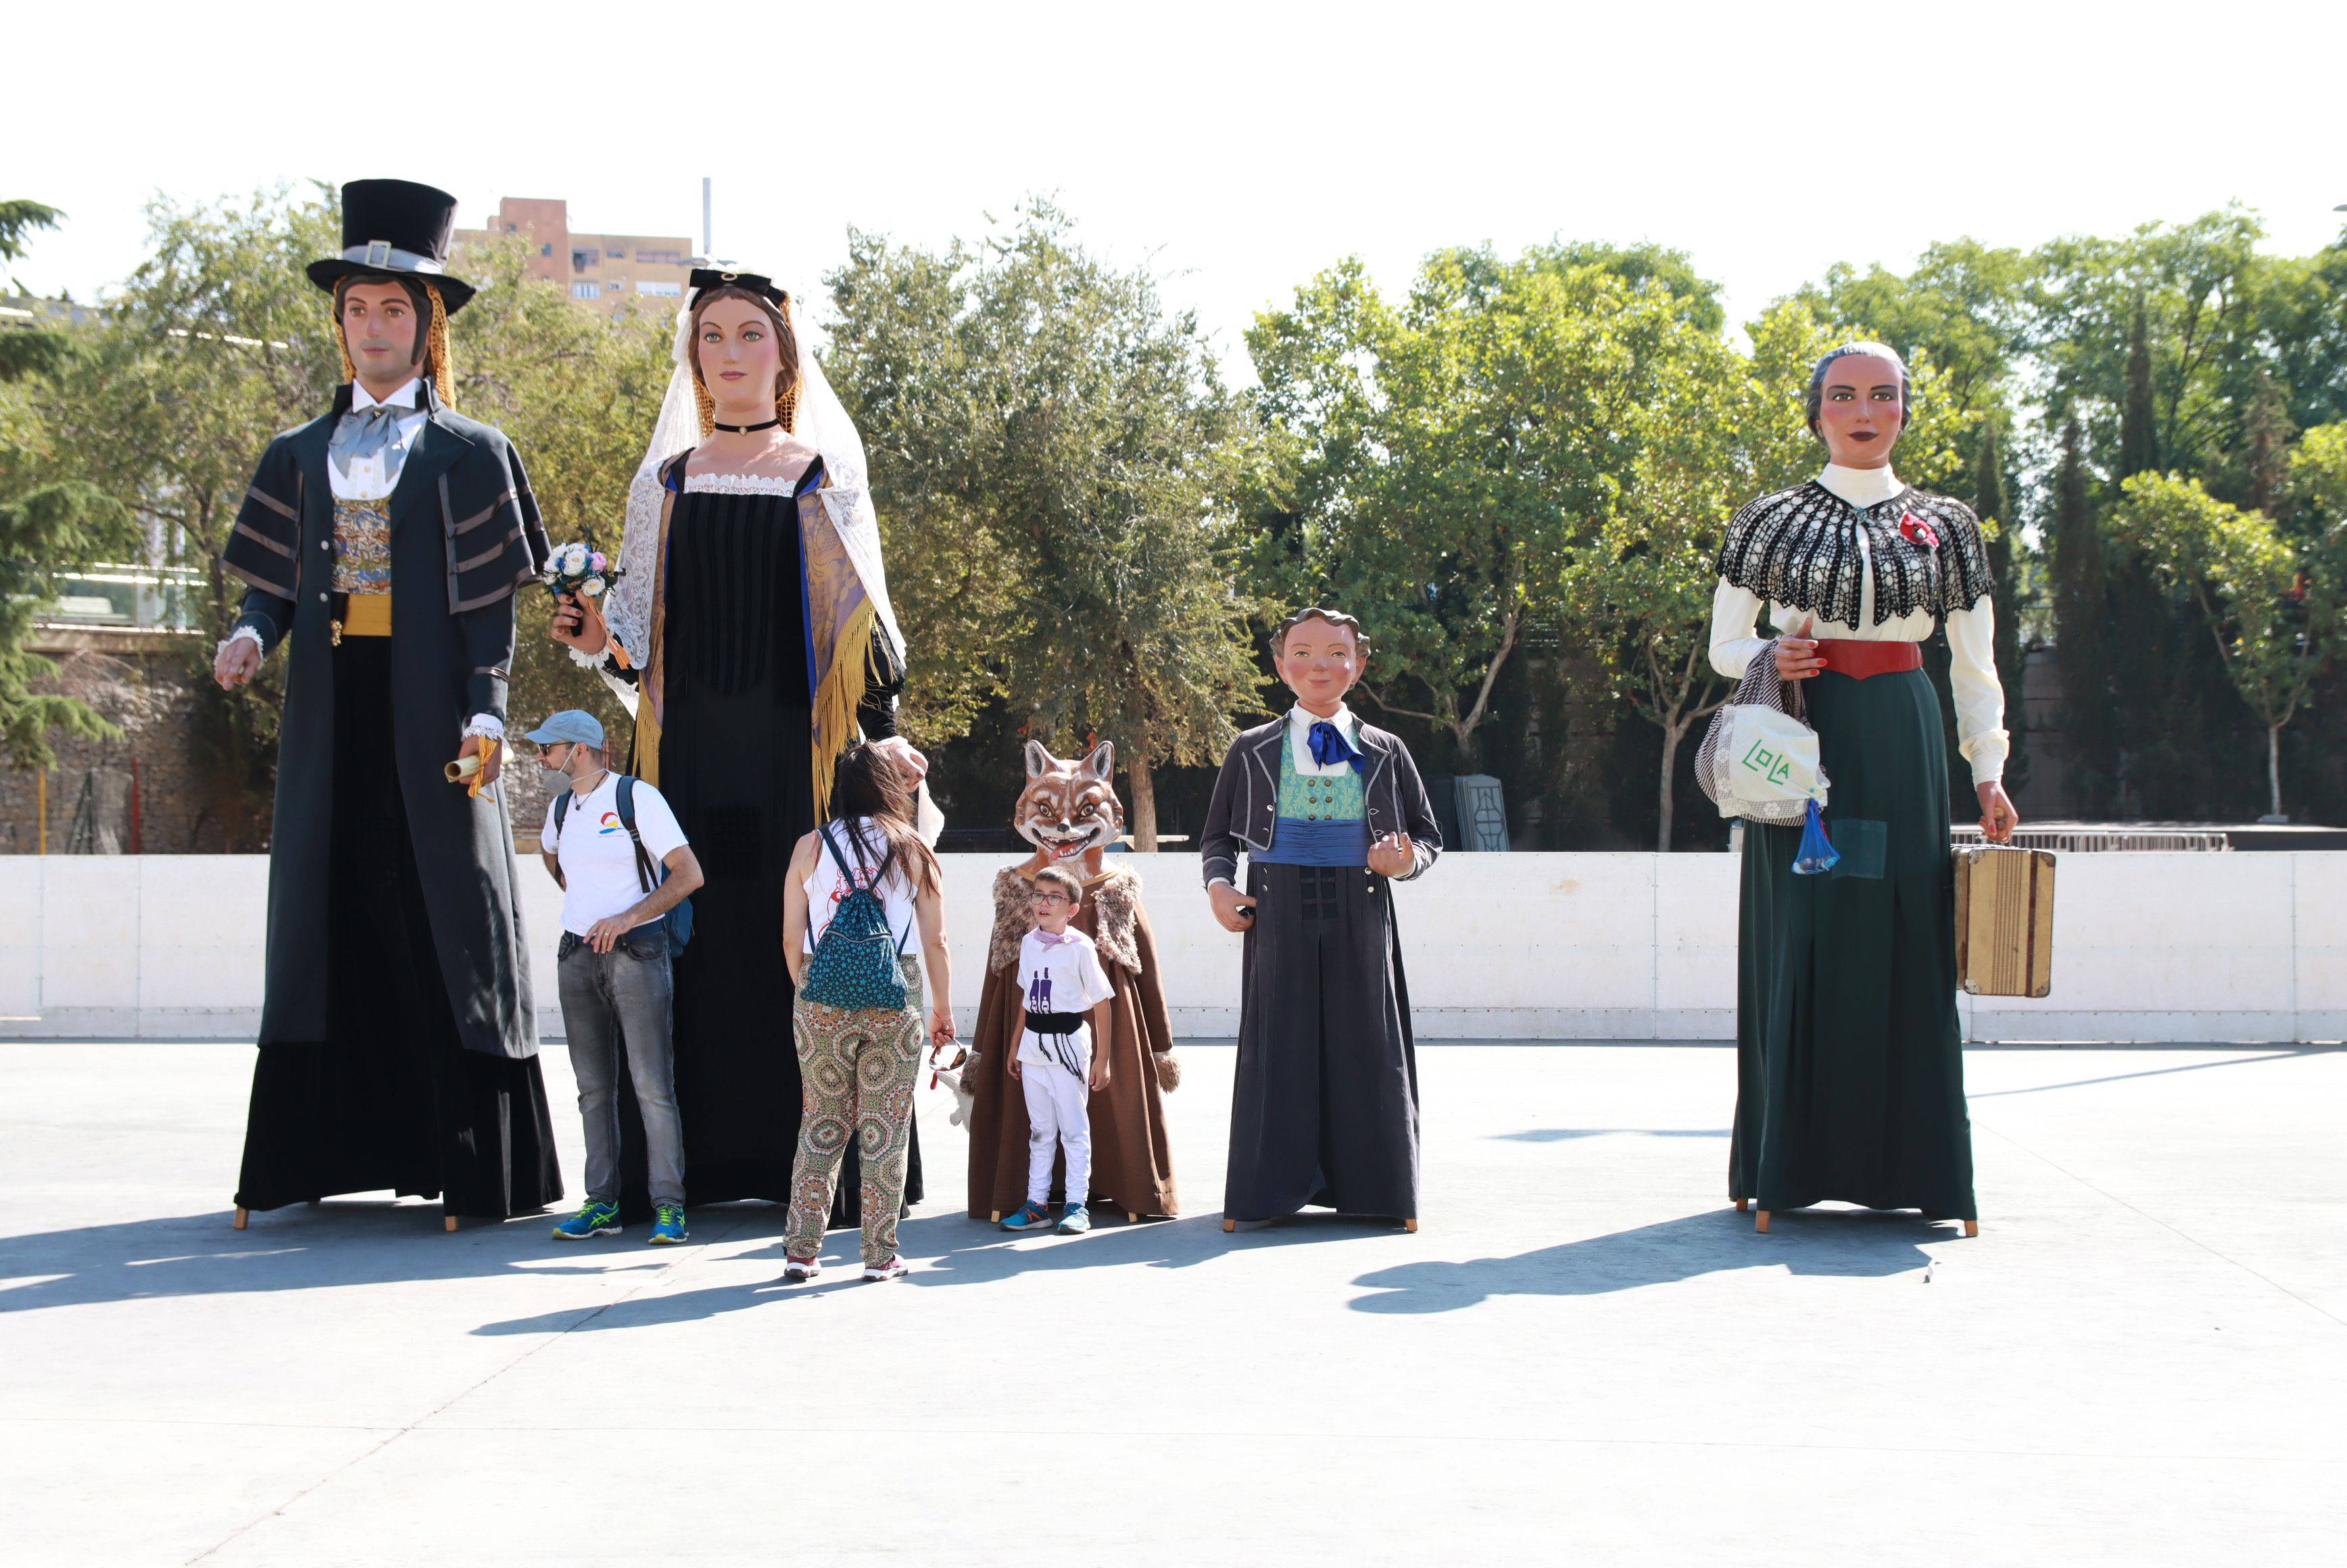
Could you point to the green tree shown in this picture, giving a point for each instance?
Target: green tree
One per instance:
(1049, 444)
(1440, 458)
(47, 524)
(2275, 611)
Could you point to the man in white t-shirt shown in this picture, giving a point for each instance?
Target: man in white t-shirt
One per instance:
(614, 963)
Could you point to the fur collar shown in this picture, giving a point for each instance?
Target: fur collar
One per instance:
(1115, 899)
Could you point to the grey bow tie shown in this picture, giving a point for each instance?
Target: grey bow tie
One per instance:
(370, 432)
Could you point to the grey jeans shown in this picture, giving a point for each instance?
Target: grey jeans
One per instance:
(611, 1001)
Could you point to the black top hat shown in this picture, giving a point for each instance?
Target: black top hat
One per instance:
(396, 229)
(723, 278)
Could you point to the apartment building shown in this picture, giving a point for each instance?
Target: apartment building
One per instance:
(607, 271)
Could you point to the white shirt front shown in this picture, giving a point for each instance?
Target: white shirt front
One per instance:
(827, 888)
(1064, 976)
(1300, 721)
(370, 478)
(597, 857)
(1981, 734)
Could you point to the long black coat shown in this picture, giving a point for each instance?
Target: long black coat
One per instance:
(464, 533)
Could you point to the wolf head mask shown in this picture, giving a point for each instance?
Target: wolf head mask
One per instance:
(1069, 807)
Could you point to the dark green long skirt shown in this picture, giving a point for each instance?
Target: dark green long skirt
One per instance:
(1849, 1057)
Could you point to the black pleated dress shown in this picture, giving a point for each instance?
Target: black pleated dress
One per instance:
(735, 765)
(391, 1100)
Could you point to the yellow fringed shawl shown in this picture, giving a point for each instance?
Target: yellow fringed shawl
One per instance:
(841, 617)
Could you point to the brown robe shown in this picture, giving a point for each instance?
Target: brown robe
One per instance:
(1132, 1165)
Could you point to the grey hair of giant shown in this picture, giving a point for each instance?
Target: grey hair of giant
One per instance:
(1877, 350)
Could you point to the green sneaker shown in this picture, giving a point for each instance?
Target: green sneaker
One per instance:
(594, 1219)
(668, 1225)
(1075, 1220)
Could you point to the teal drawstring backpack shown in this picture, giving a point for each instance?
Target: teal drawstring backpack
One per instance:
(855, 963)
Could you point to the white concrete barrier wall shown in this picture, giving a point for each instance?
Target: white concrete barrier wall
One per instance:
(1543, 946)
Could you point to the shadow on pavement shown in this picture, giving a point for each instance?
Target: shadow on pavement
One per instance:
(1855, 1244)
(1560, 1134)
(299, 1248)
(953, 1249)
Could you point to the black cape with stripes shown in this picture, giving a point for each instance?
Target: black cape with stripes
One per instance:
(465, 534)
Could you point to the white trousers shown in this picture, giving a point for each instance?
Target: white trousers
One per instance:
(1057, 1118)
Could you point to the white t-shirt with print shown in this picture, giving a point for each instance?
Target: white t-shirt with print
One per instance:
(598, 858)
(825, 888)
(1064, 975)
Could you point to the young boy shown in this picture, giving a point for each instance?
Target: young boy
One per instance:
(1330, 812)
(1055, 1062)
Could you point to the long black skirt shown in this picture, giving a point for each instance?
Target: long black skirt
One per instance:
(391, 1101)
(1850, 1053)
(1324, 1106)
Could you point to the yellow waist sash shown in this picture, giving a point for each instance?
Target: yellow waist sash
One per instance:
(367, 615)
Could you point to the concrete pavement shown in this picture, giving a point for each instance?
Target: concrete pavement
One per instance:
(1584, 1354)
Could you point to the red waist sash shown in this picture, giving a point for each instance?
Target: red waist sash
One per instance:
(1858, 660)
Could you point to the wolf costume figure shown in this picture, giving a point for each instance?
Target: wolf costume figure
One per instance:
(1070, 814)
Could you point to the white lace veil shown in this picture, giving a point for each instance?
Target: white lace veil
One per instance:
(820, 422)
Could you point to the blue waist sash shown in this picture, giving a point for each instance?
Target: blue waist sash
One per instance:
(1295, 841)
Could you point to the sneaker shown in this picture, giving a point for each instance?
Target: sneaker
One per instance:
(892, 1269)
(594, 1219)
(1076, 1221)
(800, 1270)
(1034, 1216)
(668, 1225)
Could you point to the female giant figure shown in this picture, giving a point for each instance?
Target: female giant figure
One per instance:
(1849, 1060)
(751, 631)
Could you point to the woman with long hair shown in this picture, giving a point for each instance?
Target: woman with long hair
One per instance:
(750, 631)
(1850, 1073)
(863, 877)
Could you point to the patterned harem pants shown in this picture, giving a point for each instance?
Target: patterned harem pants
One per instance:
(858, 1067)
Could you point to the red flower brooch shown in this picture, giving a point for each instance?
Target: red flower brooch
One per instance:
(1916, 531)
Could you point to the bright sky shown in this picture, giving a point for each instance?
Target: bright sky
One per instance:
(1243, 146)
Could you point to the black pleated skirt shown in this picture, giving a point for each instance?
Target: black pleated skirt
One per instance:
(391, 1101)
(737, 753)
(1323, 1105)
(1850, 1052)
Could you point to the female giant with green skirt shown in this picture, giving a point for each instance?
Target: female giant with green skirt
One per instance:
(1850, 1058)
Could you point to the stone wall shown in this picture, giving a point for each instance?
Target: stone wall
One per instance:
(145, 692)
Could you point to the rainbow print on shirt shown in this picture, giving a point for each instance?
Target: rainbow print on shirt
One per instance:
(610, 823)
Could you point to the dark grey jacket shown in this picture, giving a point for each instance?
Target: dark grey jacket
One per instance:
(464, 533)
(1246, 809)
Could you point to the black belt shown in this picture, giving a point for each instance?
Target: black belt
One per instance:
(1054, 1022)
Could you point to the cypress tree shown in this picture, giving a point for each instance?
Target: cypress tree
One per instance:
(2081, 622)
(2139, 432)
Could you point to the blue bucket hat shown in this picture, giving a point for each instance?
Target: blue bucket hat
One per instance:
(570, 724)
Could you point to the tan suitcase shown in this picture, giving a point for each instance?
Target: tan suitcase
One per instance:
(2004, 921)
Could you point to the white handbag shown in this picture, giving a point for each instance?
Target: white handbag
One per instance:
(1758, 761)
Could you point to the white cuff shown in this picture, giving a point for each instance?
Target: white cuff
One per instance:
(1221, 882)
(584, 659)
(488, 726)
(1987, 754)
(244, 634)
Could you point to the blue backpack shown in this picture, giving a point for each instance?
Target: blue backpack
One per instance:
(677, 922)
(855, 964)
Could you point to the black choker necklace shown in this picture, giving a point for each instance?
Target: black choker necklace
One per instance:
(746, 429)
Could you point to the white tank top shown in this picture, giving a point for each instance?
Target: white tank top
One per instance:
(825, 887)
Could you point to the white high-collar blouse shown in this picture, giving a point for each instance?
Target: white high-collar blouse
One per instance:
(1981, 734)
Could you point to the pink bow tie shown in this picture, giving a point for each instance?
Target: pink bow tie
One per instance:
(1050, 939)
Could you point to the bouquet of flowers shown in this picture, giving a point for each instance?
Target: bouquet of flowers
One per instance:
(575, 568)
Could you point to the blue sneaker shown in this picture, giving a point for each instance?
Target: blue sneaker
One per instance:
(1034, 1216)
(1076, 1221)
(668, 1225)
(594, 1219)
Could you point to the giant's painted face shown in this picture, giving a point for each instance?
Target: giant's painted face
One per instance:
(1069, 807)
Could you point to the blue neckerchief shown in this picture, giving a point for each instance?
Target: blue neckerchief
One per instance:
(370, 432)
(1329, 747)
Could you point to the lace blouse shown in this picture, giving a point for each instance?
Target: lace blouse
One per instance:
(1838, 548)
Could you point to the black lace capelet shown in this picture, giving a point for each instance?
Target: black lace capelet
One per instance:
(1799, 547)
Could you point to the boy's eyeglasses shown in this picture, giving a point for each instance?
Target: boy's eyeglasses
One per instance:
(1051, 898)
